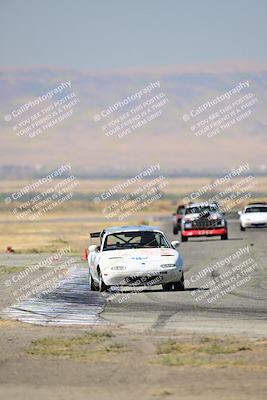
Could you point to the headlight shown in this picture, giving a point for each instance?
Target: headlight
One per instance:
(188, 225)
(118, 267)
(167, 265)
(218, 222)
(213, 217)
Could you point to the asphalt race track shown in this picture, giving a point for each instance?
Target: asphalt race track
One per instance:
(241, 310)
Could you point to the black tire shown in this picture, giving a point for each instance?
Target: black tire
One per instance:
(179, 286)
(167, 287)
(92, 286)
(224, 237)
(184, 238)
(102, 286)
(242, 228)
(175, 230)
(89, 281)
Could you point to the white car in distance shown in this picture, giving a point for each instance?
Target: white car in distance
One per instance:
(134, 256)
(253, 216)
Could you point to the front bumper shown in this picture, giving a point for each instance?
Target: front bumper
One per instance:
(254, 224)
(205, 232)
(145, 278)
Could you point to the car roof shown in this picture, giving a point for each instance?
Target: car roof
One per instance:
(130, 228)
(255, 205)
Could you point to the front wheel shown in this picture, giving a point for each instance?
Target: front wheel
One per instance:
(91, 282)
(175, 230)
(167, 287)
(225, 236)
(179, 286)
(242, 228)
(102, 286)
(184, 238)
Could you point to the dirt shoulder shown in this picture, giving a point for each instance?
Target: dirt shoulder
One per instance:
(119, 362)
(105, 364)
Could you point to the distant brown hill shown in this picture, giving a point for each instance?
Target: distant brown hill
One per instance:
(166, 139)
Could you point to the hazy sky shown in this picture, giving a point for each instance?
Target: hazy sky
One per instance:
(108, 34)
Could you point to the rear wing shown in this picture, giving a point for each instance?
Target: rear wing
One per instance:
(95, 234)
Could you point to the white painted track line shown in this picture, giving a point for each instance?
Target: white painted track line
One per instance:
(71, 303)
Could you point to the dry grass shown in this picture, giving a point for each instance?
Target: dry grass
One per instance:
(71, 223)
(181, 185)
(162, 392)
(10, 270)
(211, 352)
(91, 346)
(48, 235)
(55, 231)
(5, 323)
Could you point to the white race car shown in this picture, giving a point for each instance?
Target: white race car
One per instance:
(253, 216)
(134, 256)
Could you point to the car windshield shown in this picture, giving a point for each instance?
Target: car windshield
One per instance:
(135, 240)
(256, 209)
(201, 209)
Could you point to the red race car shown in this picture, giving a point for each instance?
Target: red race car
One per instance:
(203, 219)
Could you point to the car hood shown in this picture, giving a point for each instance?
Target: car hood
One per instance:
(214, 215)
(138, 257)
(257, 216)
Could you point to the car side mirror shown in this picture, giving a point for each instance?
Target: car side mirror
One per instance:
(175, 244)
(92, 248)
(239, 212)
